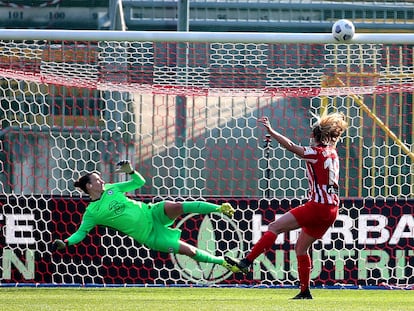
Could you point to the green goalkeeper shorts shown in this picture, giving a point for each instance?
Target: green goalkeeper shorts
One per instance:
(162, 237)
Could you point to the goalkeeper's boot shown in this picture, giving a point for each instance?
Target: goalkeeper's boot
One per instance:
(241, 265)
(226, 264)
(304, 295)
(226, 209)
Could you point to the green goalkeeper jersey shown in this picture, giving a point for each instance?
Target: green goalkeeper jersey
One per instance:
(114, 209)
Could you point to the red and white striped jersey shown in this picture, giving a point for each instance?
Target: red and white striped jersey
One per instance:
(322, 165)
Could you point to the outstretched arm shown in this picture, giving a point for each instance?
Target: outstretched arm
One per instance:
(281, 139)
(86, 225)
(137, 180)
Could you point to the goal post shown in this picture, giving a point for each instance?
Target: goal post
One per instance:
(195, 36)
(182, 106)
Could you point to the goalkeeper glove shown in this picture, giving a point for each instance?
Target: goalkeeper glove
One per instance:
(58, 245)
(124, 167)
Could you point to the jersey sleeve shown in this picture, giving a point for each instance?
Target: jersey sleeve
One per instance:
(86, 225)
(137, 181)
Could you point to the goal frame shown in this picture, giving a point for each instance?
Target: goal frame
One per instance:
(194, 36)
(265, 206)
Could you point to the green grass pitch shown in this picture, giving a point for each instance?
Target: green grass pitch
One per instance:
(234, 299)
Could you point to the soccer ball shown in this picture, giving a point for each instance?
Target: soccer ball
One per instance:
(343, 30)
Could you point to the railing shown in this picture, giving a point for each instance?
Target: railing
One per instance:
(309, 16)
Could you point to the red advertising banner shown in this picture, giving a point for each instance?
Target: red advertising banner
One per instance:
(371, 243)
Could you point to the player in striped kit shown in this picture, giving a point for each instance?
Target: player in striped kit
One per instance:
(320, 211)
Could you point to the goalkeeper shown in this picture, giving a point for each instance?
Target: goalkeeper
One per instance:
(148, 224)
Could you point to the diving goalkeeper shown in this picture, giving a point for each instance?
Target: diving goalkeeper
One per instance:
(149, 224)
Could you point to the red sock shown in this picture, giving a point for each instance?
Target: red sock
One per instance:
(265, 243)
(304, 268)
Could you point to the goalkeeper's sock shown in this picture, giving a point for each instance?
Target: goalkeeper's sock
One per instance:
(200, 207)
(264, 244)
(304, 268)
(203, 256)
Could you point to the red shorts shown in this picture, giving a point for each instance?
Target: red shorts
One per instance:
(315, 218)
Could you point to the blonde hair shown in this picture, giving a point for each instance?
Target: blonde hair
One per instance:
(329, 128)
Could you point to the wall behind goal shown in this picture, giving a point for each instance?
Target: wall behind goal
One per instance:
(72, 107)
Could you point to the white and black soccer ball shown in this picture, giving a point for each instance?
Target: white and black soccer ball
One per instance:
(343, 30)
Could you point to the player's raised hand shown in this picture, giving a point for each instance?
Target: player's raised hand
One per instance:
(124, 167)
(265, 121)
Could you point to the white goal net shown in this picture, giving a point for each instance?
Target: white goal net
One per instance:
(183, 108)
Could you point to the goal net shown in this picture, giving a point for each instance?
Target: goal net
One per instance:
(183, 108)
